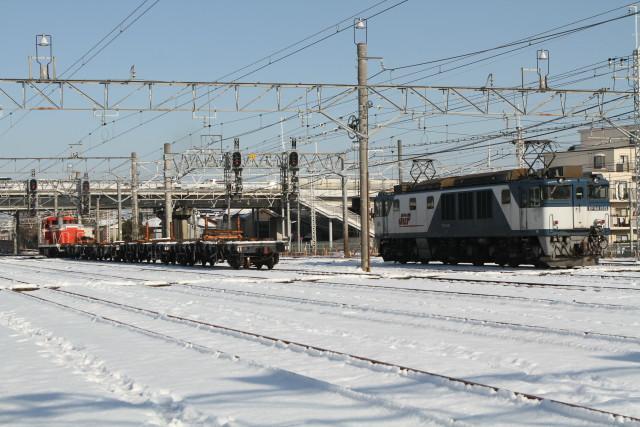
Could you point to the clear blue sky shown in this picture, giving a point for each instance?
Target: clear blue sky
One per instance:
(203, 40)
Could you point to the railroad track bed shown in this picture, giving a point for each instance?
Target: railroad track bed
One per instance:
(564, 343)
(604, 294)
(495, 310)
(399, 393)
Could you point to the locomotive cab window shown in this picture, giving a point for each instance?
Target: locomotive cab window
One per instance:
(557, 192)
(598, 192)
(430, 202)
(412, 204)
(506, 196)
(396, 205)
(379, 208)
(579, 193)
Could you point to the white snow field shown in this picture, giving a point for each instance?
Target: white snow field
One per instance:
(317, 342)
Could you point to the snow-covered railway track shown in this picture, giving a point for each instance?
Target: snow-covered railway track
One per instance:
(216, 274)
(466, 320)
(377, 287)
(377, 404)
(436, 277)
(487, 392)
(414, 314)
(369, 309)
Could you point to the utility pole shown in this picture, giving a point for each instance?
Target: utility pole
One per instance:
(330, 235)
(98, 219)
(16, 234)
(314, 224)
(399, 162)
(363, 136)
(119, 198)
(630, 194)
(168, 209)
(636, 122)
(134, 196)
(298, 226)
(345, 211)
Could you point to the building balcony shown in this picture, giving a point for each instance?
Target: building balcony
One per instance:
(622, 167)
(620, 222)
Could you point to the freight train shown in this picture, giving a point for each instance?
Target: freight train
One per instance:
(556, 219)
(64, 236)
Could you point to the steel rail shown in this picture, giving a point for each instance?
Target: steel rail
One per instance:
(399, 369)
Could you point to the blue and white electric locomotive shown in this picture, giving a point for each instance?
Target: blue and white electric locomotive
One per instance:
(507, 217)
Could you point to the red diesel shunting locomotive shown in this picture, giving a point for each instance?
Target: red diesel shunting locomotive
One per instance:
(62, 230)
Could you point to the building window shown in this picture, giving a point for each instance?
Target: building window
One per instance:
(506, 196)
(598, 161)
(430, 202)
(412, 204)
(396, 205)
(483, 204)
(465, 205)
(448, 202)
(622, 190)
(623, 165)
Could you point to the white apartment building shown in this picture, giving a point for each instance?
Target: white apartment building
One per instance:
(610, 152)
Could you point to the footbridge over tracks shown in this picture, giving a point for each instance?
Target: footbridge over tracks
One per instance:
(326, 196)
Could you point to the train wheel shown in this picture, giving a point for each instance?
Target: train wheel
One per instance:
(235, 262)
(270, 263)
(258, 265)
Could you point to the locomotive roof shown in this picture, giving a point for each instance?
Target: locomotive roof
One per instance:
(488, 178)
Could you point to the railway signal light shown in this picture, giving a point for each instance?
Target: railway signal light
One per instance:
(293, 160)
(85, 197)
(236, 160)
(33, 186)
(32, 195)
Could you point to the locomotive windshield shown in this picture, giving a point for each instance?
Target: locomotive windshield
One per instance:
(599, 192)
(557, 192)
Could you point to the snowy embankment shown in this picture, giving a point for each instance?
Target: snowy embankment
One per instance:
(314, 342)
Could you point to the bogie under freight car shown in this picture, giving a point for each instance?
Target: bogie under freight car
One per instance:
(508, 218)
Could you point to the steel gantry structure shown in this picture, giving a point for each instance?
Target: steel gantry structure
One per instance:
(259, 97)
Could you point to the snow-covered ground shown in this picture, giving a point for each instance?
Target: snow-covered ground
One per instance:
(316, 342)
